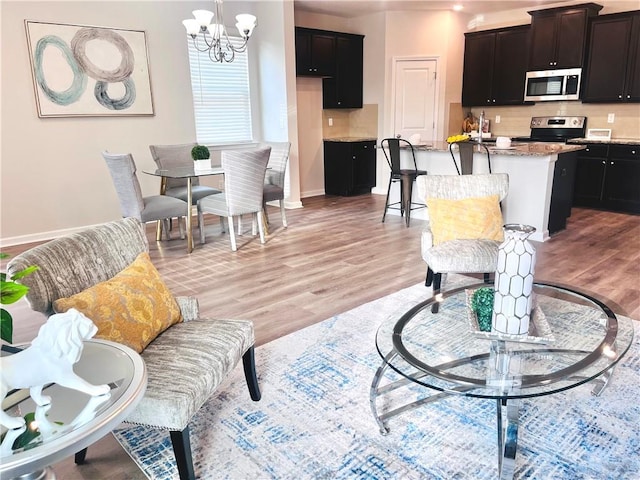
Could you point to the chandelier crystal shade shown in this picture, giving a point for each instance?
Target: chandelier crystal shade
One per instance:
(209, 34)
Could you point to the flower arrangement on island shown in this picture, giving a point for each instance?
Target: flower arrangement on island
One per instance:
(458, 138)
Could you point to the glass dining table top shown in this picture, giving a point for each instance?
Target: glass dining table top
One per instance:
(184, 172)
(577, 339)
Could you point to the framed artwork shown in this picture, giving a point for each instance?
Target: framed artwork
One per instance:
(83, 70)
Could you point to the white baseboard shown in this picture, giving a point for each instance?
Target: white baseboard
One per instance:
(312, 193)
(42, 236)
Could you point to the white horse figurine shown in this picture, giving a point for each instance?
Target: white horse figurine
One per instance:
(49, 359)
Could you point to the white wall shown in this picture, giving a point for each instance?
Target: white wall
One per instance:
(309, 100)
(54, 179)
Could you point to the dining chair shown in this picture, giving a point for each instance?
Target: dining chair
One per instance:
(179, 155)
(406, 176)
(244, 172)
(275, 176)
(133, 204)
(464, 229)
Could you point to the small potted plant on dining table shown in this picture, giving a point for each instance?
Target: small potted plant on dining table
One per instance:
(201, 157)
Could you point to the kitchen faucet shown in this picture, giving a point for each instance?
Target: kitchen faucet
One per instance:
(480, 126)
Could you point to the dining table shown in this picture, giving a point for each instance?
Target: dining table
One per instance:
(188, 173)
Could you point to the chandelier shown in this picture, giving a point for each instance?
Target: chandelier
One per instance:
(208, 28)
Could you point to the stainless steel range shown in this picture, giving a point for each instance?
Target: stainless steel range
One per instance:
(557, 129)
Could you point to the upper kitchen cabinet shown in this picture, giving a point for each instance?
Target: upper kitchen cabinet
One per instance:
(613, 61)
(315, 53)
(344, 90)
(495, 65)
(558, 36)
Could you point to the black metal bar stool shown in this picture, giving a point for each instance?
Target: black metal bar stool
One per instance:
(406, 177)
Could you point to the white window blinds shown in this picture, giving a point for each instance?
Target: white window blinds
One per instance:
(221, 101)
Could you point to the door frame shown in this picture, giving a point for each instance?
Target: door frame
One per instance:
(436, 104)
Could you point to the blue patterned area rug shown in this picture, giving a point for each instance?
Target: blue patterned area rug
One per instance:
(314, 419)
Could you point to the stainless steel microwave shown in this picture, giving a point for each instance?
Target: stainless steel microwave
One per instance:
(553, 85)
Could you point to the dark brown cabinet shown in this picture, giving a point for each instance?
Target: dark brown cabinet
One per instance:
(337, 58)
(612, 71)
(495, 64)
(344, 90)
(608, 177)
(349, 167)
(562, 191)
(558, 36)
(315, 53)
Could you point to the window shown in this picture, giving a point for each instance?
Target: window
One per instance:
(221, 102)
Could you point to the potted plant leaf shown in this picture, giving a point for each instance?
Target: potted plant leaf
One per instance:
(10, 292)
(201, 157)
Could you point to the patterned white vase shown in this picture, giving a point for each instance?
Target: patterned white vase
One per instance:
(514, 281)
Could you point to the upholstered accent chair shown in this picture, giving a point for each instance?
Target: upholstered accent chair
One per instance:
(275, 176)
(185, 364)
(244, 172)
(406, 176)
(179, 155)
(133, 204)
(464, 250)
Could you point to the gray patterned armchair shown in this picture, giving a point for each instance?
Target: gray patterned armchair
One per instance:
(185, 364)
(467, 253)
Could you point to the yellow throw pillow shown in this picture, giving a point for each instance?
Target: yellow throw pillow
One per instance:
(468, 218)
(132, 308)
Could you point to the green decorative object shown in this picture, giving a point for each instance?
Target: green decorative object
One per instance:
(10, 292)
(200, 152)
(482, 305)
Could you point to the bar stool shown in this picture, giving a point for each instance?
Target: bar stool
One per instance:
(406, 177)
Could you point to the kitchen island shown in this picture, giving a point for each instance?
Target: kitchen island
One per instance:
(540, 179)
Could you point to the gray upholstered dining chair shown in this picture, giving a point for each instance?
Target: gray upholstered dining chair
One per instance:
(186, 363)
(132, 204)
(244, 172)
(469, 252)
(275, 176)
(179, 155)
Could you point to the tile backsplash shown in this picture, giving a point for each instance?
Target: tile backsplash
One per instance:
(514, 121)
(357, 122)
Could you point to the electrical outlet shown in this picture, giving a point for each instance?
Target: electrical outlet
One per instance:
(611, 118)
(331, 122)
(497, 118)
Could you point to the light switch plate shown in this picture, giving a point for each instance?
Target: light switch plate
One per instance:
(611, 118)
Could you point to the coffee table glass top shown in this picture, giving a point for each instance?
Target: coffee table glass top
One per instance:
(444, 351)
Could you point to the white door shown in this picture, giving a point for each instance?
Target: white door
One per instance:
(415, 99)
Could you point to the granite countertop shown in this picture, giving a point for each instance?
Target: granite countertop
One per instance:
(351, 139)
(535, 149)
(613, 141)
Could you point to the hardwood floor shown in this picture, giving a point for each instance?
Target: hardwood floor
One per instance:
(336, 255)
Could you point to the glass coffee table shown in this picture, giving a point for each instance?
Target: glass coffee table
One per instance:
(573, 339)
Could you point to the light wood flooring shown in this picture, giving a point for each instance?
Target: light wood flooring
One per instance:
(336, 255)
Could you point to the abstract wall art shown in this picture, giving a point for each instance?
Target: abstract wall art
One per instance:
(83, 70)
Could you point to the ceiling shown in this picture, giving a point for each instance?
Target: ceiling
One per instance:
(355, 8)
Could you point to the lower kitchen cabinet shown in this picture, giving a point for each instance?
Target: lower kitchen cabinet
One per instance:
(608, 177)
(562, 191)
(349, 167)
